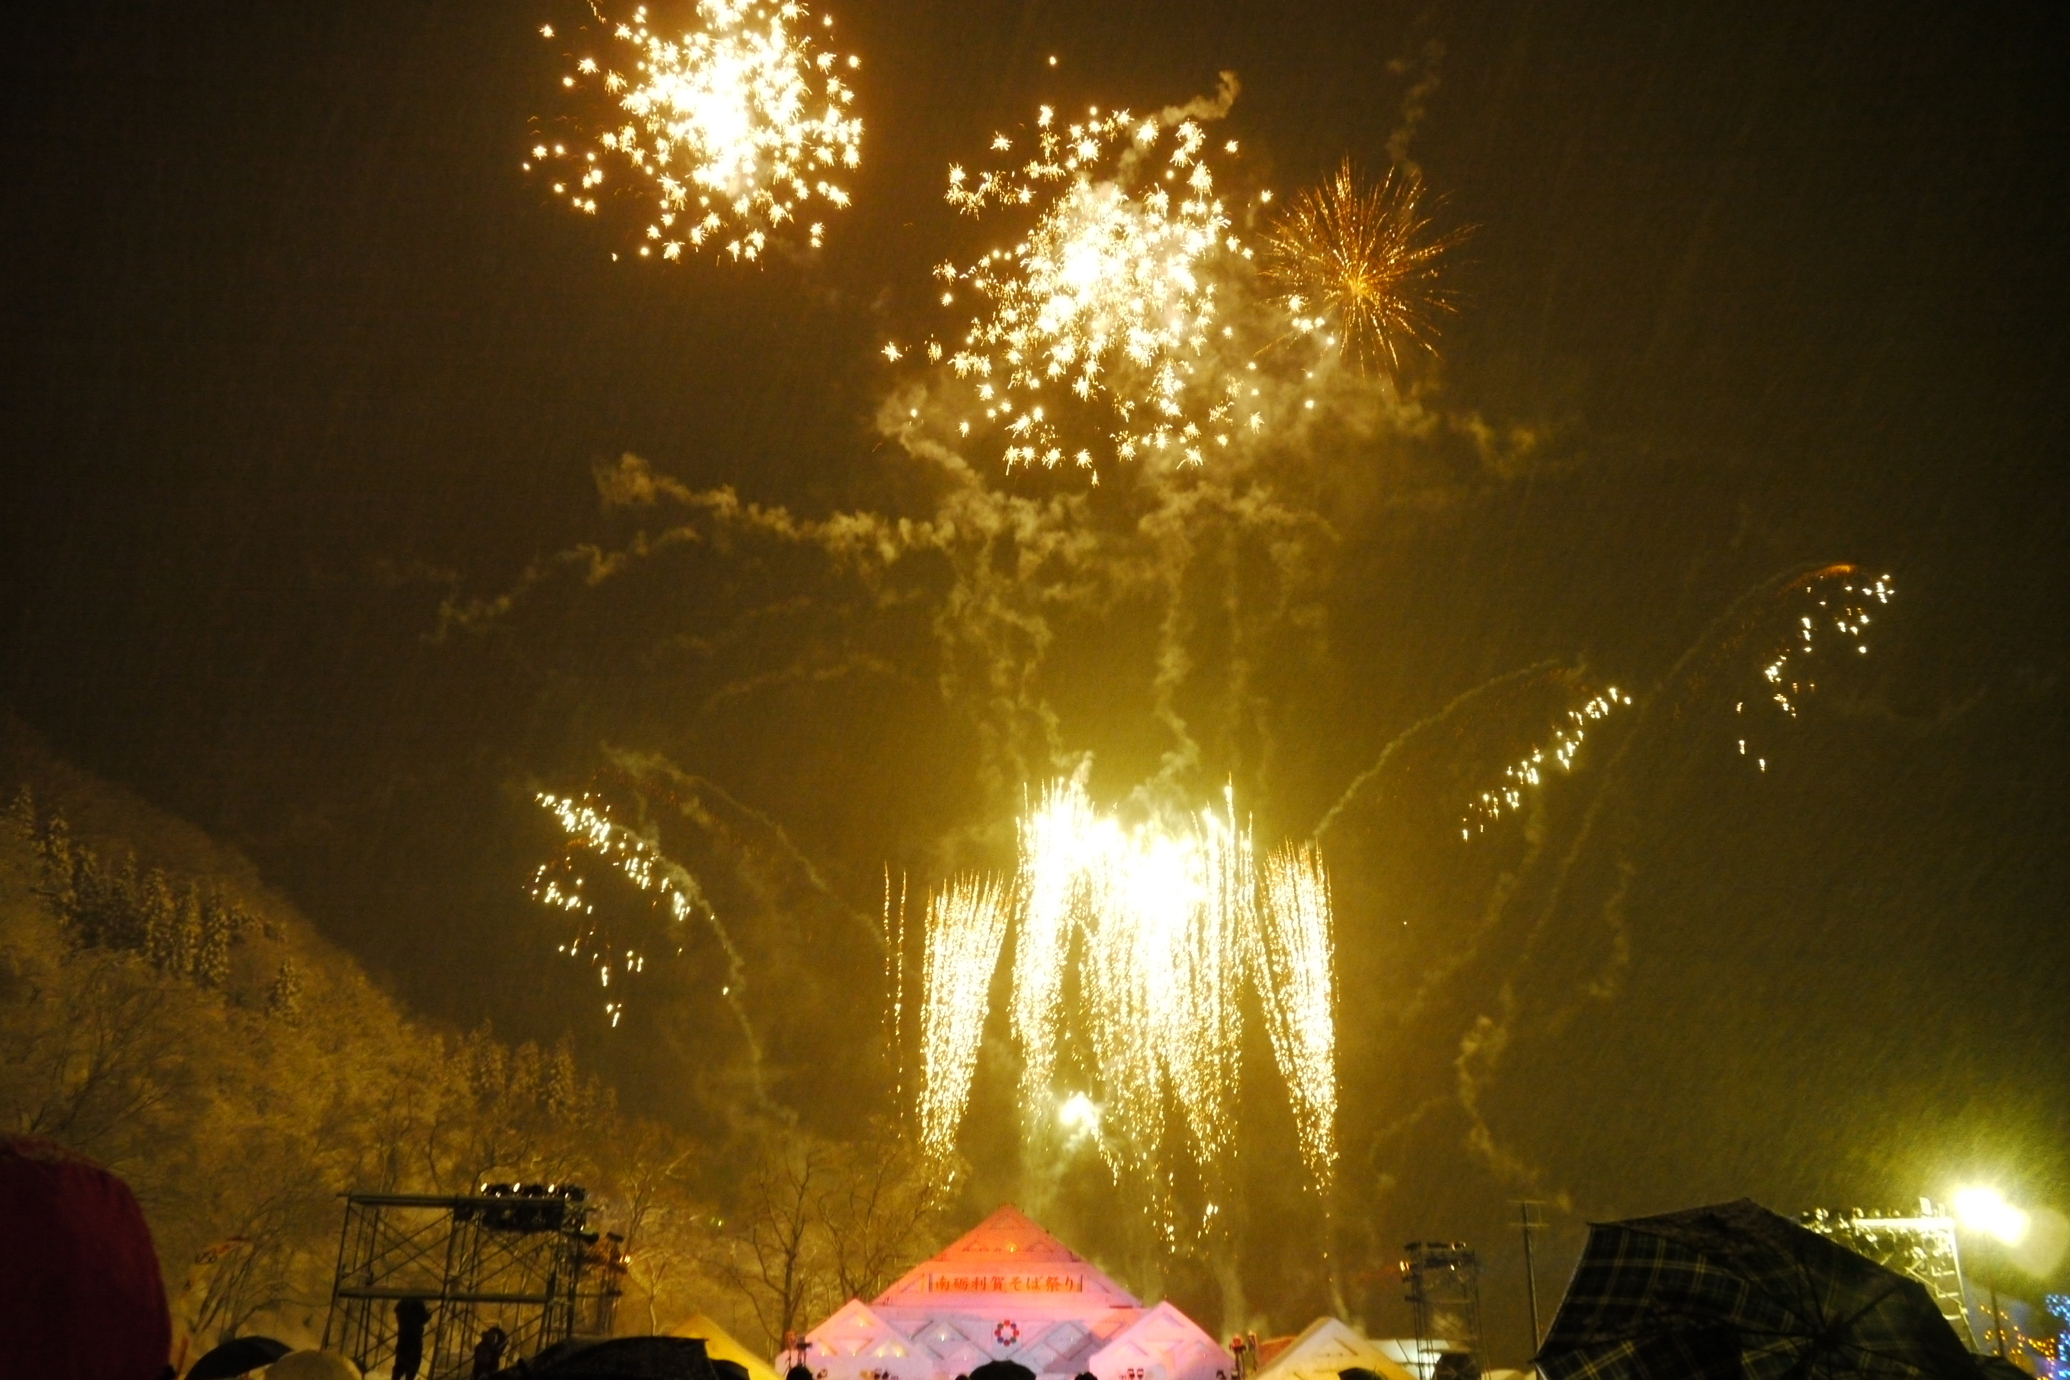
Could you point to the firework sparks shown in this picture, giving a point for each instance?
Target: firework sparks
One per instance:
(1557, 754)
(1850, 620)
(1786, 675)
(1359, 266)
(965, 925)
(1051, 898)
(591, 832)
(1839, 603)
(1164, 925)
(1106, 310)
(1299, 991)
(734, 128)
(1208, 941)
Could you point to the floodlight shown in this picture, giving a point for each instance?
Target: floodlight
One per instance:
(1983, 1209)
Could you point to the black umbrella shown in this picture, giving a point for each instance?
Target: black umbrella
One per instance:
(237, 1356)
(1734, 1292)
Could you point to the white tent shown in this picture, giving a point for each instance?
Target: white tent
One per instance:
(720, 1345)
(1328, 1346)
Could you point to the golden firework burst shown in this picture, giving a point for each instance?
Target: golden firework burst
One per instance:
(1358, 263)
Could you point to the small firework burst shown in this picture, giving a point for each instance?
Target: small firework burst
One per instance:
(1358, 264)
(733, 127)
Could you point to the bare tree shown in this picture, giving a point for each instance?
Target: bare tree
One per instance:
(772, 1251)
(663, 1224)
(882, 1211)
(94, 1051)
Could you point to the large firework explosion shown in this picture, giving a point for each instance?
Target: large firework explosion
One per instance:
(1358, 265)
(1121, 324)
(1100, 323)
(732, 128)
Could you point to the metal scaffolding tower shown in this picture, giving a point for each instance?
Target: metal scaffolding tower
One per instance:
(1442, 1282)
(1921, 1245)
(515, 1257)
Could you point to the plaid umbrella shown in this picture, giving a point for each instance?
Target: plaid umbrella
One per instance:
(1734, 1292)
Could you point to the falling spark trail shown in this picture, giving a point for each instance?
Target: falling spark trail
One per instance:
(1727, 633)
(592, 832)
(1299, 993)
(1850, 621)
(1165, 926)
(1559, 753)
(1051, 893)
(1455, 706)
(965, 924)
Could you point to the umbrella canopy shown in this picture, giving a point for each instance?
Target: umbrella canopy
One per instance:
(623, 1358)
(312, 1365)
(237, 1356)
(1734, 1291)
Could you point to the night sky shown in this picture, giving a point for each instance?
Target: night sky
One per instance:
(301, 372)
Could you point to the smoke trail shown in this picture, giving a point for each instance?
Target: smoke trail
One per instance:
(1699, 672)
(1539, 673)
(688, 787)
(638, 854)
(1007, 576)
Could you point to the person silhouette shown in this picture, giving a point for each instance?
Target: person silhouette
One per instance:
(410, 1317)
(488, 1353)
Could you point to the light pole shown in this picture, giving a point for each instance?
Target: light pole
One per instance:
(1527, 1224)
